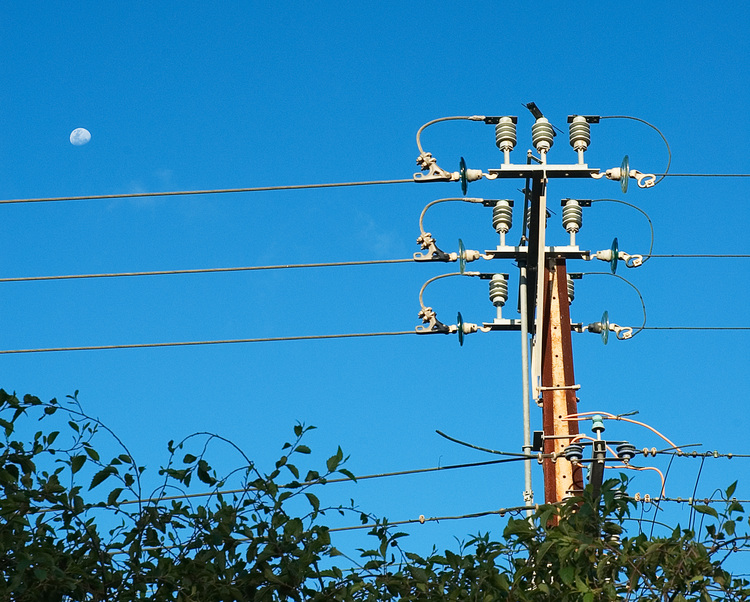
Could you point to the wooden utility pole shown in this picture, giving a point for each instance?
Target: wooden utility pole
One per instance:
(561, 477)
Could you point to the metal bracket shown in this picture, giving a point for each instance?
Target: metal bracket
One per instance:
(561, 388)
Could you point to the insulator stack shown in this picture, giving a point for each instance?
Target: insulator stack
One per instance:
(498, 290)
(542, 135)
(502, 219)
(571, 289)
(528, 218)
(572, 218)
(505, 136)
(580, 135)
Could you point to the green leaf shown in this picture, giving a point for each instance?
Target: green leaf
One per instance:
(729, 527)
(303, 449)
(76, 463)
(706, 510)
(314, 502)
(101, 476)
(113, 495)
(566, 574)
(93, 454)
(189, 459)
(731, 488)
(333, 462)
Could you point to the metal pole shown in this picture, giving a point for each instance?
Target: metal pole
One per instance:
(528, 493)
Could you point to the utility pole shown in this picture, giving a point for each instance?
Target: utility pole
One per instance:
(558, 387)
(544, 293)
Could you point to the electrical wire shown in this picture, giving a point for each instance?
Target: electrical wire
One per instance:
(421, 520)
(582, 416)
(650, 223)
(292, 266)
(218, 342)
(133, 195)
(703, 256)
(207, 270)
(424, 211)
(429, 123)
(319, 482)
(658, 131)
(718, 328)
(437, 519)
(635, 288)
(704, 175)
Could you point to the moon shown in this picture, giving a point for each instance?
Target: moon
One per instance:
(79, 136)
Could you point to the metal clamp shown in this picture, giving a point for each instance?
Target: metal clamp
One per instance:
(429, 317)
(434, 173)
(427, 242)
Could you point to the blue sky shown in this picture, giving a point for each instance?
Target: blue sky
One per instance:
(183, 96)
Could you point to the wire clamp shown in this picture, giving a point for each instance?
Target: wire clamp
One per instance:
(435, 173)
(429, 317)
(427, 242)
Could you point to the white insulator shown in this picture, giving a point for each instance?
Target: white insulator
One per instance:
(528, 218)
(502, 217)
(542, 135)
(571, 289)
(498, 290)
(505, 134)
(580, 133)
(572, 216)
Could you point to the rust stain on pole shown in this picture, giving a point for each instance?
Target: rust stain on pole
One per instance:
(561, 478)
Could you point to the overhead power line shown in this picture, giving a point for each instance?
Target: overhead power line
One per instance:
(358, 478)
(217, 342)
(727, 328)
(133, 195)
(206, 270)
(295, 266)
(704, 175)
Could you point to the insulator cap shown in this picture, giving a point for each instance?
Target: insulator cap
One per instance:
(505, 134)
(572, 216)
(542, 135)
(580, 133)
(498, 290)
(502, 217)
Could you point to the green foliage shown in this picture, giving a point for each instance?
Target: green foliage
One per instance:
(267, 539)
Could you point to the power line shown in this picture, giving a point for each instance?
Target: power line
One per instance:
(206, 270)
(423, 519)
(718, 328)
(217, 342)
(704, 256)
(321, 481)
(133, 195)
(286, 267)
(704, 175)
